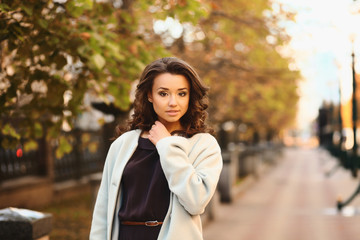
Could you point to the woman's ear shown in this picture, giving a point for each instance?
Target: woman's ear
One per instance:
(150, 99)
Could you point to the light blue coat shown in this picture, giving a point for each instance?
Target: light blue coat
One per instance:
(192, 168)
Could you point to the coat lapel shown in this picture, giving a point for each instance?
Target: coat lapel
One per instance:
(126, 150)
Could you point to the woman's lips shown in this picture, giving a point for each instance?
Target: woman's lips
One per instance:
(172, 112)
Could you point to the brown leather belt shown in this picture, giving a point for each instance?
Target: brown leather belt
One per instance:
(147, 223)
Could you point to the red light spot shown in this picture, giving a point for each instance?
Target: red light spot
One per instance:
(19, 153)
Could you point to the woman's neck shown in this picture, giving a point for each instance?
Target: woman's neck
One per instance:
(171, 127)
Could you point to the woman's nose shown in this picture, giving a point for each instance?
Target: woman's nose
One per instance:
(172, 101)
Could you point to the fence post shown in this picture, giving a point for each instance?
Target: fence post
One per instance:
(78, 153)
(229, 173)
(24, 224)
(50, 161)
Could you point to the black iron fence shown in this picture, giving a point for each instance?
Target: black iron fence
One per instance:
(87, 156)
(16, 163)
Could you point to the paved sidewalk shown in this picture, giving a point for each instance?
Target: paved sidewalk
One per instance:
(295, 200)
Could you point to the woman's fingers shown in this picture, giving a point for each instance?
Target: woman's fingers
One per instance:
(157, 132)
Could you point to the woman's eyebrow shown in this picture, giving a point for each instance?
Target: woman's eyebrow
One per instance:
(180, 89)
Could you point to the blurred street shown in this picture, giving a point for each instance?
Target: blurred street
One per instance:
(71, 77)
(293, 200)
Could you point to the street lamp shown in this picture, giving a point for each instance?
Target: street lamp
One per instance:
(354, 105)
(354, 158)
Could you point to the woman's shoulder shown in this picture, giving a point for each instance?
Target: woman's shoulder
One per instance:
(126, 141)
(131, 133)
(201, 142)
(127, 136)
(202, 135)
(205, 138)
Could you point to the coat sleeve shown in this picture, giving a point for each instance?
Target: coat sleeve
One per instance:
(99, 223)
(191, 169)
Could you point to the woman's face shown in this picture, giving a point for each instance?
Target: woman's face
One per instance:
(170, 96)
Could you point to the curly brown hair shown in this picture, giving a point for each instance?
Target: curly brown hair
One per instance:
(144, 116)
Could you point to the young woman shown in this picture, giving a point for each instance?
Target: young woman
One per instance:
(161, 172)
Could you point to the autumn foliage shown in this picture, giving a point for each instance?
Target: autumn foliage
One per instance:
(55, 51)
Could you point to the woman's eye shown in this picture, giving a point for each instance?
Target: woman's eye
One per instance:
(182, 94)
(162, 94)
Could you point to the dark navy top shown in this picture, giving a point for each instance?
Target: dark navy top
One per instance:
(145, 193)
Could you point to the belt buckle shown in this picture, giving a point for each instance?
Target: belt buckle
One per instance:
(151, 223)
